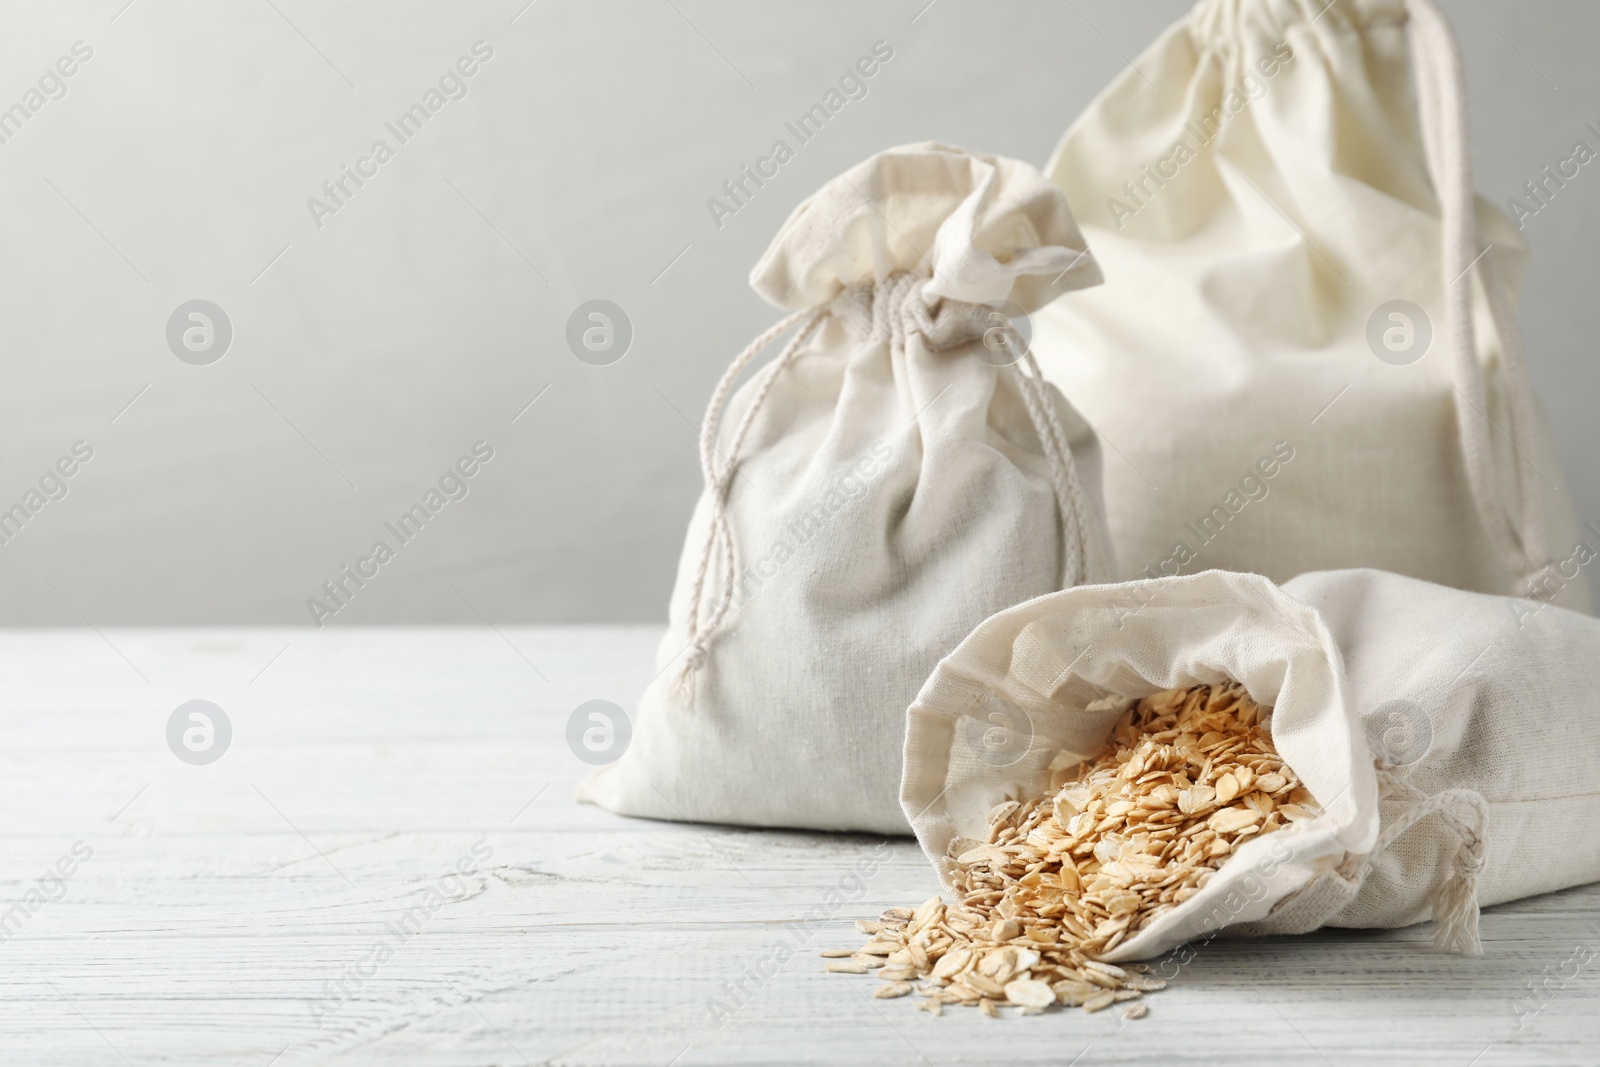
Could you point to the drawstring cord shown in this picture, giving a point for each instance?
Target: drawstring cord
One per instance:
(1070, 500)
(719, 479)
(1455, 908)
(1441, 98)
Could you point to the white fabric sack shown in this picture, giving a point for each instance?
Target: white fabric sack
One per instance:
(897, 474)
(1258, 186)
(1451, 773)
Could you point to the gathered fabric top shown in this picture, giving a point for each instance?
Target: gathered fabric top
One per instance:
(1222, 25)
(978, 228)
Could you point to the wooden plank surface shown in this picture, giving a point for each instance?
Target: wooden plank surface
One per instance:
(294, 903)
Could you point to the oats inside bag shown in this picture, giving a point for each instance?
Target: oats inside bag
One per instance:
(1060, 880)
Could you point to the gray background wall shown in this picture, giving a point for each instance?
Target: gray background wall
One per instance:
(372, 352)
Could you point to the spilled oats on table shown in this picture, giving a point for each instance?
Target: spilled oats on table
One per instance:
(1061, 880)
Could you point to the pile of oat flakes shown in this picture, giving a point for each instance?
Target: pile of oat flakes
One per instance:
(1059, 882)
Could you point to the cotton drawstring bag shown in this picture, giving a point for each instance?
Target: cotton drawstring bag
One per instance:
(1328, 291)
(897, 474)
(1449, 774)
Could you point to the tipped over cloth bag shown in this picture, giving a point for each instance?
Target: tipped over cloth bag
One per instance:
(1451, 773)
(1328, 290)
(897, 474)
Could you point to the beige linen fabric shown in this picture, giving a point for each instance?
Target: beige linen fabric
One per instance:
(889, 481)
(1256, 186)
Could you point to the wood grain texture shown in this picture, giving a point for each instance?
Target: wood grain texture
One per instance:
(293, 903)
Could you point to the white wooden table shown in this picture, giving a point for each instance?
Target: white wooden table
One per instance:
(274, 906)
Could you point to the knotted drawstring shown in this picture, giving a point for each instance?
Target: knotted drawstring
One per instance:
(889, 310)
(1441, 105)
(1455, 909)
(895, 307)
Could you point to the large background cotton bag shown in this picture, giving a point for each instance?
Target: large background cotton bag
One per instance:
(1451, 773)
(897, 474)
(1261, 188)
